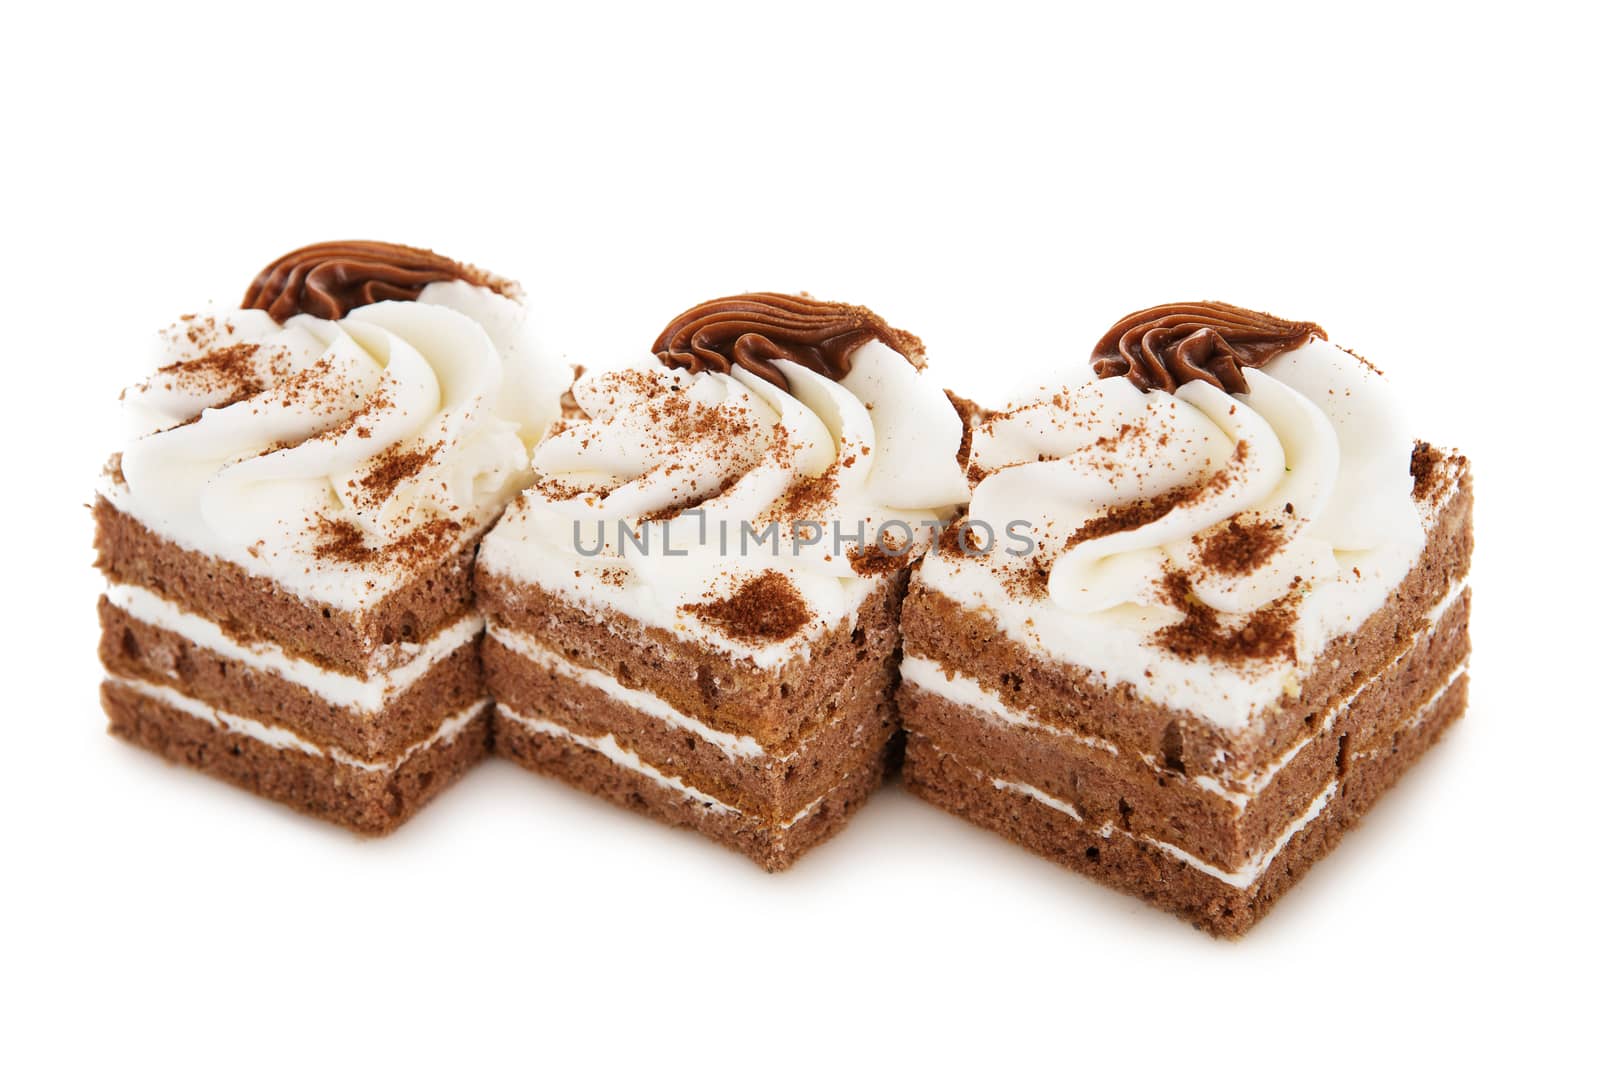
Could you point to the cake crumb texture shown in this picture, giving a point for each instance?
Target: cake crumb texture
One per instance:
(368, 802)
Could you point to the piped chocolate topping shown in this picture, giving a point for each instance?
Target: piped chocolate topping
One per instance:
(756, 329)
(332, 279)
(1169, 345)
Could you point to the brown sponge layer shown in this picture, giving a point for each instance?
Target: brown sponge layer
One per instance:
(367, 801)
(763, 839)
(136, 649)
(1132, 866)
(778, 784)
(777, 707)
(1138, 793)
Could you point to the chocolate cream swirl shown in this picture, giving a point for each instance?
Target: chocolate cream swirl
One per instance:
(1169, 345)
(755, 330)
(331, 279)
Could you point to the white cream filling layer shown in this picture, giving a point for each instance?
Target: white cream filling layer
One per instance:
(738, 746)
(608, 747)
(1243, 878)
(811, 808)
(366, 696)
(278, 737)
(1254, 867)
(963, 689)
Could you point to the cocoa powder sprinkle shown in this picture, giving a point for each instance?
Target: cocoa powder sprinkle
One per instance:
(1121, 517)
(1265, 634)
(1241, 547)
(765, 608)
(1131, 516)
(391, 467)
(231, 368)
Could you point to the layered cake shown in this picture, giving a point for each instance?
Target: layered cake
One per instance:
(1222, 609)
(289, 532)
(693, 609)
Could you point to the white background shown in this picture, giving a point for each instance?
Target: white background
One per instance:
(1005, 182)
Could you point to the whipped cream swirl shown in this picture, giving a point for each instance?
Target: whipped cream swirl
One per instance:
(1248, 495)
(690, 461)
(255, 440)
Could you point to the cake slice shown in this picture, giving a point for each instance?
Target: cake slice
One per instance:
(289, 534)
(693, 610)
(1224, 608)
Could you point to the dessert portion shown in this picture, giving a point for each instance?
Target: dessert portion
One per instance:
(289, 533)
(1224, 609)
(693, 609)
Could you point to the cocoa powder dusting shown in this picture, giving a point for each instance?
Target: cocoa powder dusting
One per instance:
(1131, 516)
(423, 543)
(1030, 581)
(873, 560)
(1359, 358)
(1241, 547)
(1120, 517)
(1265, 634)
(806, 499)
(392, 466)
(765, 608)
(959, 539)
(341, 540)
(321, 388)
(667, 514)
(231, 368)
